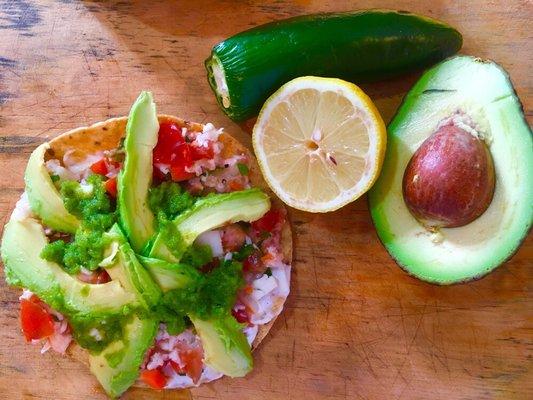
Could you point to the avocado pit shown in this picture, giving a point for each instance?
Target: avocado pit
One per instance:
(449, 181)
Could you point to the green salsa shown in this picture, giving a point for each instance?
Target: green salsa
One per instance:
(95, 334)
(168, 200)
(209, 295)
(91, 204)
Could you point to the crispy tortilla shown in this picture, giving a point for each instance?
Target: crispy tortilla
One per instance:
(106, 135)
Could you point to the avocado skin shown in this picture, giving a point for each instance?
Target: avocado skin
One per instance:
(43, 196)
(209, 213)
(384, 187)
(135, 178)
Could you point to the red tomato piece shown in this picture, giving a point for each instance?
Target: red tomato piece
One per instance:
(100, 167)
(154, 378)
(181, 159)
(111, 187)
(241, 315)
(176, 367)
(179, 174)
(235, 185)
(192, 358)
(169, 137)
(200, 152)
(35, 320)
(268, 221)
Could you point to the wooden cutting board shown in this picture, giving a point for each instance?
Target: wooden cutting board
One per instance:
(355, 325)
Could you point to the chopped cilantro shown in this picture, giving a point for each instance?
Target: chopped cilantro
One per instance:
(243, 169)
(243, 252)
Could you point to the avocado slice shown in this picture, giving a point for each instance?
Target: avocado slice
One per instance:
(22, 243)
(118, 365)
(482, 91)
(43, 196)
(225, 346)
(122, 265)
(209, 213)
(135, 178)
(169, 275)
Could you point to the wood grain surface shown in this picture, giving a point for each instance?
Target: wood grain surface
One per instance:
(355, 325)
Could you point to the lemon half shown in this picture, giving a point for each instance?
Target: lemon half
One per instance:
(320, 143)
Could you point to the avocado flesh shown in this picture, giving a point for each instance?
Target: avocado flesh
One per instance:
(225, 346)
(22, 243)
(43, 196)
(135, 178)
(118, 365)
(209, 213)
(169, 276)
(126, 269)
(483, 91)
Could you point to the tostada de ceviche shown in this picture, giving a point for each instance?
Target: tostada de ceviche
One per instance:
(152, 244)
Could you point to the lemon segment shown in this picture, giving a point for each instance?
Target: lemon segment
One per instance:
(320, 143)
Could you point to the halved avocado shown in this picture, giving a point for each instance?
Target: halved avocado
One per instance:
(208, 213)
(44, 198)
(22, 243)
(135, 178)
(481, 91)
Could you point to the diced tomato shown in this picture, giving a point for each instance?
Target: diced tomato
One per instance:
(253, 263)
(35, 320)
(192, 358)
(269, 221)
(176, 367)
(169, 137)
(173, 150)
(111, 187)
(179, 174)
(235, 185)
(104, 166)
(199, 152)
(233, 237)
(241, 315)
(154, 378)
(100, 167)
(97, 277)
(182, 158)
